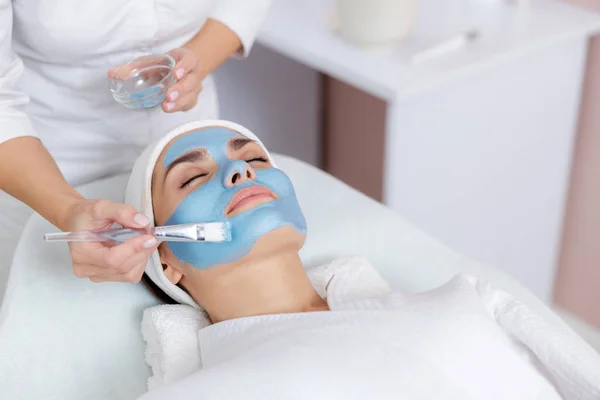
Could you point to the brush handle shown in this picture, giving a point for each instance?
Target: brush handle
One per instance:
(101, 235)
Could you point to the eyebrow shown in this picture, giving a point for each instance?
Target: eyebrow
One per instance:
(201, 154)
(189, 157)
(239, 142)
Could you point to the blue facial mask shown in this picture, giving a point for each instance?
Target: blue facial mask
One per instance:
(208, 203)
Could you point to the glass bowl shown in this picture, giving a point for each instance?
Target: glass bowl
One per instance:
(143, 82)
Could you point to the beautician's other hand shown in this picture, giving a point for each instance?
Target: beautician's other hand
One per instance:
(183, 95)
(105, 261)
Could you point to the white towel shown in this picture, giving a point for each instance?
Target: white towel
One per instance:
(171, 335)
(551, 349)
(171, 331)
(562, 356)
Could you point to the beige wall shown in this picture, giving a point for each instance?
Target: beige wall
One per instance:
(577, 286)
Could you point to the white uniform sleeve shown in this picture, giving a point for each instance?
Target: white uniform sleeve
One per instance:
(13, 120)
(244, 17)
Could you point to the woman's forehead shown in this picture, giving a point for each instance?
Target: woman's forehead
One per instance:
(213, 139)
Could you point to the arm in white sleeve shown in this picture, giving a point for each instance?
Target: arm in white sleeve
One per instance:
(13, 120)
(244, 17)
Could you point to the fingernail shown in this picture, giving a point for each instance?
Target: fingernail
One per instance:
(170, 106)
(174, 95)
(150, 243)
(141, 220)
(179, 73)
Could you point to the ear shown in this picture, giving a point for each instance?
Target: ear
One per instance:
(169, 263)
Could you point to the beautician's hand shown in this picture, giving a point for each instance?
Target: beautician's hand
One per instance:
(183, 95)
(189, 73)
(105, 261)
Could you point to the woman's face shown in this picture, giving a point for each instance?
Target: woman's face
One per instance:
(216, 174)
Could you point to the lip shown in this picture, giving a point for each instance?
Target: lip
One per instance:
(248, 198)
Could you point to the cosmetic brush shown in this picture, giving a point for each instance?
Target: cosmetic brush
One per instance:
(200, 232)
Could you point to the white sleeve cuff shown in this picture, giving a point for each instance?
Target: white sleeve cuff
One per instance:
(13, 120)
(243, 17)
(15, 127)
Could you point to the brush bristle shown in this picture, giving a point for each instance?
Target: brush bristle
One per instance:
(217, 232)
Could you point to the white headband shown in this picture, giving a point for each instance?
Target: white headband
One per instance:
(139, 194)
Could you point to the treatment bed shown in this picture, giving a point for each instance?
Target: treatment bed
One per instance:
(65, 338)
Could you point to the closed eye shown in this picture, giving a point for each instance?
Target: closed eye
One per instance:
(184, 184)
(257, 159)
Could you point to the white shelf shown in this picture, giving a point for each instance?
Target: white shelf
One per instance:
(302, 31)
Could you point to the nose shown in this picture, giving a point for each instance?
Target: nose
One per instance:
(237, 173)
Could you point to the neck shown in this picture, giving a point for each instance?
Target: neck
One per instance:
(273, 285)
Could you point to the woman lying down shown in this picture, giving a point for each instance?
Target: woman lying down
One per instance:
(259, 327)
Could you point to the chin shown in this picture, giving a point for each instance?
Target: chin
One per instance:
(282, 239)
